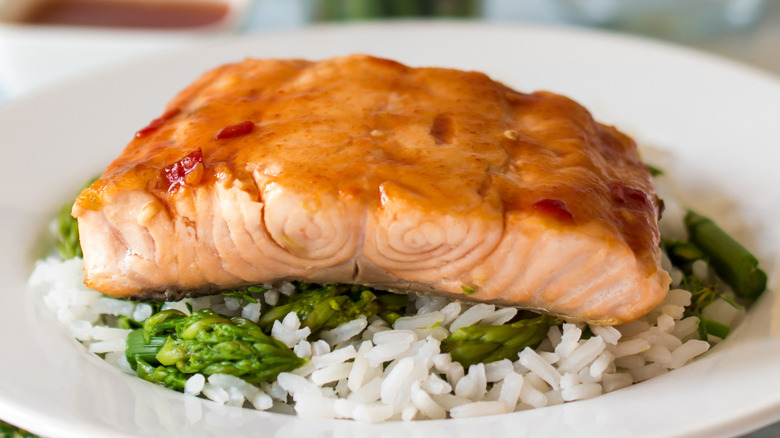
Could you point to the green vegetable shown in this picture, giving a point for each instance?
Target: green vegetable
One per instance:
(733, 263)
(141, 349)
(703, 293)
(161, 322)
(587, 333)
(245, 295)
(393, 306)
(682, 254)
(172, 346)
(326, 306)
(67, 230)
(468, 290)
(10, 431)
(654, 171)
(710, 327)
(362, 9)
(125, 322)
(168, 377)
(484, 343)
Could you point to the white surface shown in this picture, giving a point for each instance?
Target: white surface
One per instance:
(31, 58)
(35, 55)
(719, 120)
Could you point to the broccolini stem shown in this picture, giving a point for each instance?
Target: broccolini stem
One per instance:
(733, 263)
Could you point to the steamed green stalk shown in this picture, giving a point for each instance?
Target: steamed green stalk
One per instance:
(172, 346)
(729, 259)
(485, 343)
(735, 264)
(327, 306)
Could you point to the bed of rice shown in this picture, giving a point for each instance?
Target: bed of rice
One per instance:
(369, 371)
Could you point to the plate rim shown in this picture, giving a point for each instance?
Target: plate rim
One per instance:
(603, 36)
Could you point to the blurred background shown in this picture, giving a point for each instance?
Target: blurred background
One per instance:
(43, 41)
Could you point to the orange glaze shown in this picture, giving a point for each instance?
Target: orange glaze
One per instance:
(354, 126)
(373, 131)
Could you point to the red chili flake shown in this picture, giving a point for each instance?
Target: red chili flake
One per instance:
(554, 207)
(236, 130)
(156, 123)
(622, 193)
(176, 173)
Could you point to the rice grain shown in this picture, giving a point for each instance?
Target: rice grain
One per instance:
(370, 372)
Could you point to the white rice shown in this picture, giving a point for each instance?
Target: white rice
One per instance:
(370, 372)
(195, 384)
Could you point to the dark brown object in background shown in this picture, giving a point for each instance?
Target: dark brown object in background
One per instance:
(127, 14)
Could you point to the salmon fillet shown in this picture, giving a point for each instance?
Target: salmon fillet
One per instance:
(363, 170)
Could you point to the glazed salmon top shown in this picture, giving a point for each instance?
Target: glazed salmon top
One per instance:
(374, 133)
(368, 127)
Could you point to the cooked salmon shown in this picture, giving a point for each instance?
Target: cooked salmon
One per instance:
(363, 170)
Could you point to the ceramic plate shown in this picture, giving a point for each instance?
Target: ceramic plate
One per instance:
(717, 120)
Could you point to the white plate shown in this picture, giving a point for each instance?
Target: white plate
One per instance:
(35, 55)
(719, 119)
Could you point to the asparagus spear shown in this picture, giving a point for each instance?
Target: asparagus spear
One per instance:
(139, 348)
(733, 263)
(484, 343)
(172, 346)
(682, 254)
(702, 295)
(324, 307)
(704, 292)
(169, 377)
